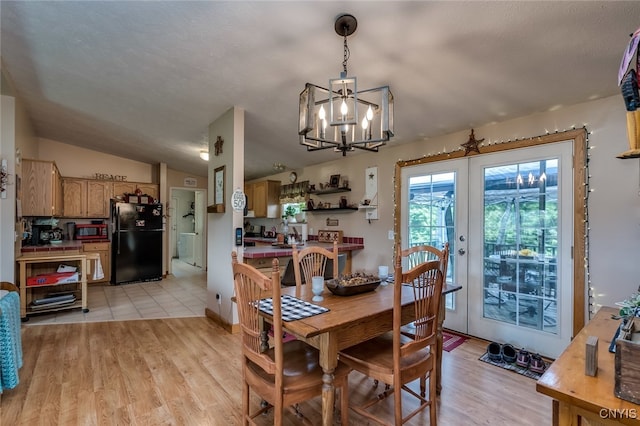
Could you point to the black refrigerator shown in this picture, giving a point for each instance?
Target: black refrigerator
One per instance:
(136, 242)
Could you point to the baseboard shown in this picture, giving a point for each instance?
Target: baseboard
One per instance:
(231, 328)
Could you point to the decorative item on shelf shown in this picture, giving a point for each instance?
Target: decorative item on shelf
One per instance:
(628, 82)
(371, 109)
(334, 181)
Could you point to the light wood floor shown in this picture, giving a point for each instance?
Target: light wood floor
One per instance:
(185, 371)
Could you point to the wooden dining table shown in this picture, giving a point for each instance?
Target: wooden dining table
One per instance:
(349, 321)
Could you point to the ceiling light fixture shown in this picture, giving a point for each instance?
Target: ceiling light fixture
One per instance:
(279, 167)
(362, 120)
(204, 155)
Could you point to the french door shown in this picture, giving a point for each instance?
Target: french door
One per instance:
(508, 219)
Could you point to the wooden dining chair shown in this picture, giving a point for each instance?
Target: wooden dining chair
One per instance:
(397, 359)
(312, 261)
(416, 255)
(284, 374)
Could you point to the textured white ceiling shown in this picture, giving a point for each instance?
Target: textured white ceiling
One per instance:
(143, 80)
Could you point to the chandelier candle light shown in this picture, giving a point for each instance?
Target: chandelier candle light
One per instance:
(362, 120)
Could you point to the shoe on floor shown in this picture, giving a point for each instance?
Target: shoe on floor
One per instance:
(523, 359)
(495, 351)
(509, 353)
(537, 365)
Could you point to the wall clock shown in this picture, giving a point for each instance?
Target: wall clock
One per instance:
(293, 177)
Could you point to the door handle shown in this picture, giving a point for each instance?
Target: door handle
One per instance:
(461, 252)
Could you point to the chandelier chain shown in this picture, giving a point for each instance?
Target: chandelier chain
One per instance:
(346, 55)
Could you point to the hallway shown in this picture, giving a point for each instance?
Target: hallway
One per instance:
(182, 294)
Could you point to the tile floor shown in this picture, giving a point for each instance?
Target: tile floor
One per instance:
(182, 294)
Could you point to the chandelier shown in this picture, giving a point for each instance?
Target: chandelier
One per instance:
(342, 117)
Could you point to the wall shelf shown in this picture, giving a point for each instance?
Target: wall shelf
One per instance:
(333, 209)
(329, 191)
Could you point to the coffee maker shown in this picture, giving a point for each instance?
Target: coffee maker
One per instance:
(40, 235)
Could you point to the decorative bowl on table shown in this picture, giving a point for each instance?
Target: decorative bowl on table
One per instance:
(356, 283)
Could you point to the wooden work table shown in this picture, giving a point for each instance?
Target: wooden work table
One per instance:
(579, 399)
(33, 265)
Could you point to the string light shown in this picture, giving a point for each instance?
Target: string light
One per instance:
(587, 228)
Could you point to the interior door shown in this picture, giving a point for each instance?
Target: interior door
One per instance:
(199, 209)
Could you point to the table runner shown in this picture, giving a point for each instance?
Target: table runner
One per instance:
(292, 308)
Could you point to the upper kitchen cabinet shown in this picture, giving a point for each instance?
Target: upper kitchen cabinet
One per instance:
(265, 198)
(86, 197)
(41, 188)
(248, 192)
(122, 188)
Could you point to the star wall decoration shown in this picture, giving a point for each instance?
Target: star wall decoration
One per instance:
(471, 144)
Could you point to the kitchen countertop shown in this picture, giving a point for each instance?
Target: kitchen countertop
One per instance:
(258, 252)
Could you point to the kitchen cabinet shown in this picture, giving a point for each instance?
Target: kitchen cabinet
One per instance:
(103, 249)
(40, 297)
(41, 192)
(248, 191)
(74, 197)
(265, 199)
(122, 188)
(86, 197)
(265, 266)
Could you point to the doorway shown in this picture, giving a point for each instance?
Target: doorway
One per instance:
(508, 218)
(187, 236)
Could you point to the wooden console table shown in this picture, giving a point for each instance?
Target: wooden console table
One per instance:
(579, 399)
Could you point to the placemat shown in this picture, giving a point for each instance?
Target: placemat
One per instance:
(292, 308)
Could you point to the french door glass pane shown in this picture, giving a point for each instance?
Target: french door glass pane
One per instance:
(431, 216)
(520, 244)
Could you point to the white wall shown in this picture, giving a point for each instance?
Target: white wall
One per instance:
(220, 226)
(614, 204)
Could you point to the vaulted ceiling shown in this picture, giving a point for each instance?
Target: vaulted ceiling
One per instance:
(143, 79)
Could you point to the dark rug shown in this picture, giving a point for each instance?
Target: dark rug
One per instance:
(512, 366)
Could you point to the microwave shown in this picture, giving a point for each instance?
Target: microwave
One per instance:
(91, 232)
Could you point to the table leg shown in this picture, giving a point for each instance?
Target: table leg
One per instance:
(441, 314)
(328, 362)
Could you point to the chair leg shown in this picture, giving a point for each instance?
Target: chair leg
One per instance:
(432, 399)
(423, 386)
(245, 403)
(397, 401)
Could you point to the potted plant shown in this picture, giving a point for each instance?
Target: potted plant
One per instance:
(289, 214)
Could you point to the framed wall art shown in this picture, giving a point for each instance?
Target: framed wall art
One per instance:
(334, 181)
(218, 191)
